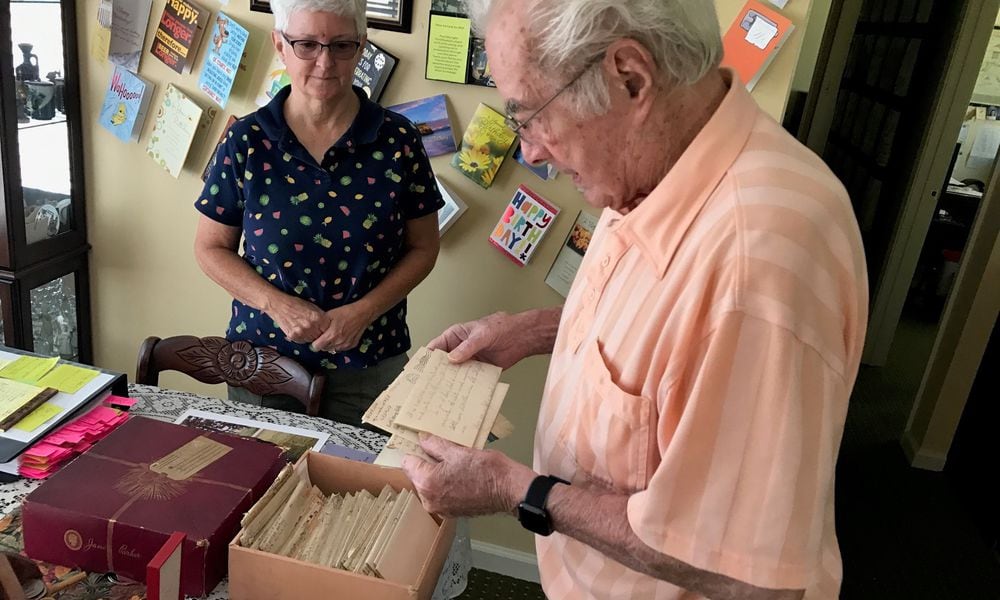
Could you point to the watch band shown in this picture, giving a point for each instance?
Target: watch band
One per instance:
(531, 512)
(538, 491)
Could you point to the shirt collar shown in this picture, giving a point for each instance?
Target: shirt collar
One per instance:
(659, 223)
(364, 130)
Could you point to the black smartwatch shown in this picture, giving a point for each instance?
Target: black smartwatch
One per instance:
(531, 511)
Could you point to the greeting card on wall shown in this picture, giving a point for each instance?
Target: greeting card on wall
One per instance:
(222, 61)
(126, 103)
(101, 43)
(275, 79)
(544, 171)
(430, 116)
(129, 19)
(374, 70)
(453, 208)
(524, 222)
(484, 146)
(567, 262)
(179, 34)
(753, 41)
(177, 121)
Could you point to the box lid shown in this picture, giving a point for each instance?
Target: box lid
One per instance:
(115, 480)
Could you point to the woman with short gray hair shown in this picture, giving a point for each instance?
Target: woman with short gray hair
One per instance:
(336, 204)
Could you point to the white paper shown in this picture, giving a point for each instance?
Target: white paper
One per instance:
(128, 32)
(761, 32)
(779, 3)
(984, 149)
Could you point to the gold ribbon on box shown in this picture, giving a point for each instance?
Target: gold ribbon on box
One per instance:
(141, 482)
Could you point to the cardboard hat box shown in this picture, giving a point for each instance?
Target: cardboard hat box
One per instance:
(115, 506)
(257, 575)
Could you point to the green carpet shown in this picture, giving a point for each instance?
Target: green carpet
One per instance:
(484, 585)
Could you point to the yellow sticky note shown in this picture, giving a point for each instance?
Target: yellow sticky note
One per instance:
(38, 416)
(68, 378)
(28, 369)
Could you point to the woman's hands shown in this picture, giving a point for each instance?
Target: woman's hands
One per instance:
(325, 331)
(301, 321)
(345, 325)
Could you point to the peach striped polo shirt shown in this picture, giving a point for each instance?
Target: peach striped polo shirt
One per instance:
(703, 366)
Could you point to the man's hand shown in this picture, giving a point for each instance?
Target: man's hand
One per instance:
(496, 339)
(345, 325)
(463, 482)
(301, 321)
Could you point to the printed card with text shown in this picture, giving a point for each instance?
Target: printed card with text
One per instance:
(753, 41)
(524, 223)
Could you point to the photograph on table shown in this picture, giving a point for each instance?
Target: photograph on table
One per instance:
(294, 440)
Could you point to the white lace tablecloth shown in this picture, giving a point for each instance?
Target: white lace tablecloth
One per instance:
(167, 405)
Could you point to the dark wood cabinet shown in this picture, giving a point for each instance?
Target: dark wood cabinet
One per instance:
(44, 288)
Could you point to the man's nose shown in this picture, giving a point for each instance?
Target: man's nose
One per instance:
(533, 152)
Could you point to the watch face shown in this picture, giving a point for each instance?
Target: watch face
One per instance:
(534, 519)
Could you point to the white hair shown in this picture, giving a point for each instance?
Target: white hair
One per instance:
(567, 35)
(352, 9)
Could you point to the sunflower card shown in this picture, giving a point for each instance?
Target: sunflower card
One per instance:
(484, 146)
(524, 223)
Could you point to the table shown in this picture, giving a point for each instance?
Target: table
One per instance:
(167, 405)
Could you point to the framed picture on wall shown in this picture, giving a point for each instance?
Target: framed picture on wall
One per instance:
(394, 15)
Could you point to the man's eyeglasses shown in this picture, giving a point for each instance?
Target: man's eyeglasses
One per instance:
(517, 126)
(310, 49)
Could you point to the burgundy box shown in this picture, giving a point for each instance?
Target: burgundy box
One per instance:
(112, 508)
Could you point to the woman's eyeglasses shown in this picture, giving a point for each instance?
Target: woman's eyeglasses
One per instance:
(310, 49)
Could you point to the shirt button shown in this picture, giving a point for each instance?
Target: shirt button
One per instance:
(591, 295)
(606, 261)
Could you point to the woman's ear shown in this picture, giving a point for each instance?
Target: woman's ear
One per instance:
(279, 43)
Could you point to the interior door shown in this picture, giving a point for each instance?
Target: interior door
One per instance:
(888, 135)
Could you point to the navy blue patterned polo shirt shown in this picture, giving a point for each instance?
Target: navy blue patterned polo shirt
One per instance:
(327, 233)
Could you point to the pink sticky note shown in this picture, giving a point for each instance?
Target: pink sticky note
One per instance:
(103, 413)
(42, 449)
(120, 402)
(34, 473)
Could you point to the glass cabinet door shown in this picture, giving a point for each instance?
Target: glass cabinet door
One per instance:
(54, 319)
(43, 134)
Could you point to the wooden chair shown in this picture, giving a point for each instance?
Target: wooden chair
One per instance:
(260, 370)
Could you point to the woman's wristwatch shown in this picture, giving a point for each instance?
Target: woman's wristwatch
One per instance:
(531, 511)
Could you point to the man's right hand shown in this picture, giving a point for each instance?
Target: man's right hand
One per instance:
(496, 339)
(301, 321)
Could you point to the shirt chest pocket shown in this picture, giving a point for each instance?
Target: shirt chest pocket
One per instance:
(607, 432)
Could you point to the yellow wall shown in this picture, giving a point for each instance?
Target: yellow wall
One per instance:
(144, 278)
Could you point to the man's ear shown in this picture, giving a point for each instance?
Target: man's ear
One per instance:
(633, 67)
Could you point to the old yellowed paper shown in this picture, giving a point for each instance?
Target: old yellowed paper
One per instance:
(450, 400)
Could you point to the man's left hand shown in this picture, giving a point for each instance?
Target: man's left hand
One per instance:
(464, 482)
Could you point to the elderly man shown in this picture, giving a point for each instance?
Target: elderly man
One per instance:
(702, 364)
